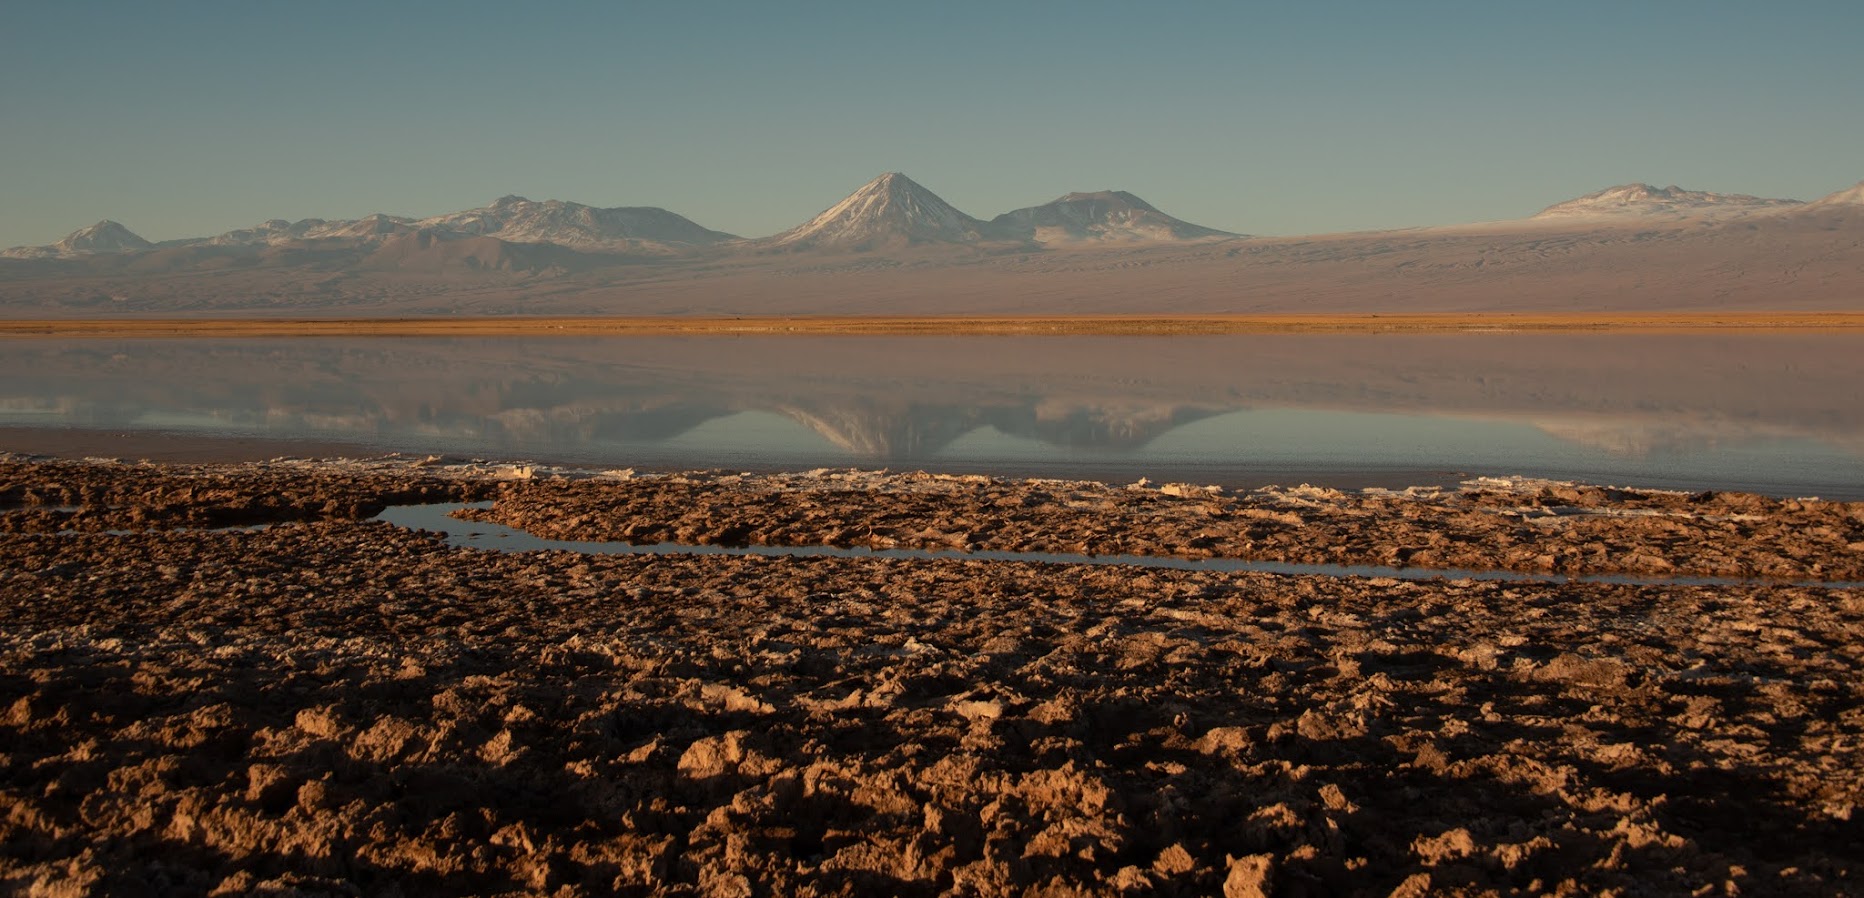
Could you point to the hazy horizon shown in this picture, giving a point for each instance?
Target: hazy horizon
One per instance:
(750, 119)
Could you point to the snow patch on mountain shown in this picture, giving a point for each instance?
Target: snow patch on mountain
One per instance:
(103, 237)
(277, 230)
(1633, 200)
(515, 219)
(369, 230)
(888, 212)
(372, 227)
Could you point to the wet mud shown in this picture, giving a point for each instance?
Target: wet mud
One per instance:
(336, 706)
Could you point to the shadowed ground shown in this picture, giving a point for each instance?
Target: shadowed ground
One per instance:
(341, 707)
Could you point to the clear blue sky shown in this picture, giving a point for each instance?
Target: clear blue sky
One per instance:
(183, 119)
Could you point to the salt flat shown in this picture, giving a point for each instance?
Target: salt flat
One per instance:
(331, 701)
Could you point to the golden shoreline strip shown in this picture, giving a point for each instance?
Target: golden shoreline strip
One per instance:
(1008, 325)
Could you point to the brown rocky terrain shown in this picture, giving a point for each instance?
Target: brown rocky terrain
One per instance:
(334, 706)
(1487, 524)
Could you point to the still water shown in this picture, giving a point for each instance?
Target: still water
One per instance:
(1779, 413)
(500, 538)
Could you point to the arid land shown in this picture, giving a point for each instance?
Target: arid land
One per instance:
(1807, 261)
(315, 702)
(893, 325)
(333, 705)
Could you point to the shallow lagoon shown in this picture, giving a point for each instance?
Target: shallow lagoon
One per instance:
(1772, 412)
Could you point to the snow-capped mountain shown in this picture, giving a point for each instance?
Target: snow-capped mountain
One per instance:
(1108, 215)
(277, 230)
(1627, 200)
(369, 230)
(103, 237)
(518, 220)
(888, 212)
(512, 219)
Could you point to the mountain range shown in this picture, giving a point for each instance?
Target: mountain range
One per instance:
(893, 246)
(890, 212)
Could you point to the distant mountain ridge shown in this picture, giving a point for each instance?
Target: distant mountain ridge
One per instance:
(1850, 196)
(513, 219)
(1644, 199)
(894, 248)
(890, 212)
(1108, 215)
(576, 226)
(437, 250)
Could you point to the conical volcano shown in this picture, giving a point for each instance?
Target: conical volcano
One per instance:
(888, 212)
(103, 237)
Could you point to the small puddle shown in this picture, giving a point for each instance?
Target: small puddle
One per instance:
(500, 538)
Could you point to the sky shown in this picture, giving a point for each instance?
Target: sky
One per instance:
(190, 119)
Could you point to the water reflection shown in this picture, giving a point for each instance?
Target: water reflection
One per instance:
(1771, 411)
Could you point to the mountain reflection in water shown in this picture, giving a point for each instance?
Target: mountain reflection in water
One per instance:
(1779, 412)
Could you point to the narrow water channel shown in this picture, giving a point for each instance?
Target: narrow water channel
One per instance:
(500, 538)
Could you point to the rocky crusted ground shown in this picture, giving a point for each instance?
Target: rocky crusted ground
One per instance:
(51, 495)
(1533, 526)
(342, 707)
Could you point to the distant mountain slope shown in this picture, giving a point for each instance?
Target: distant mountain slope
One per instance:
(1841, 211)
(515, 219)
(103, 237)
(1852, 196)
(1108, 215)
(265, 233)
(890, 211)
(366, 231)
(436, 250)
(366, 228)
(1629, 200)
(894, 247)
